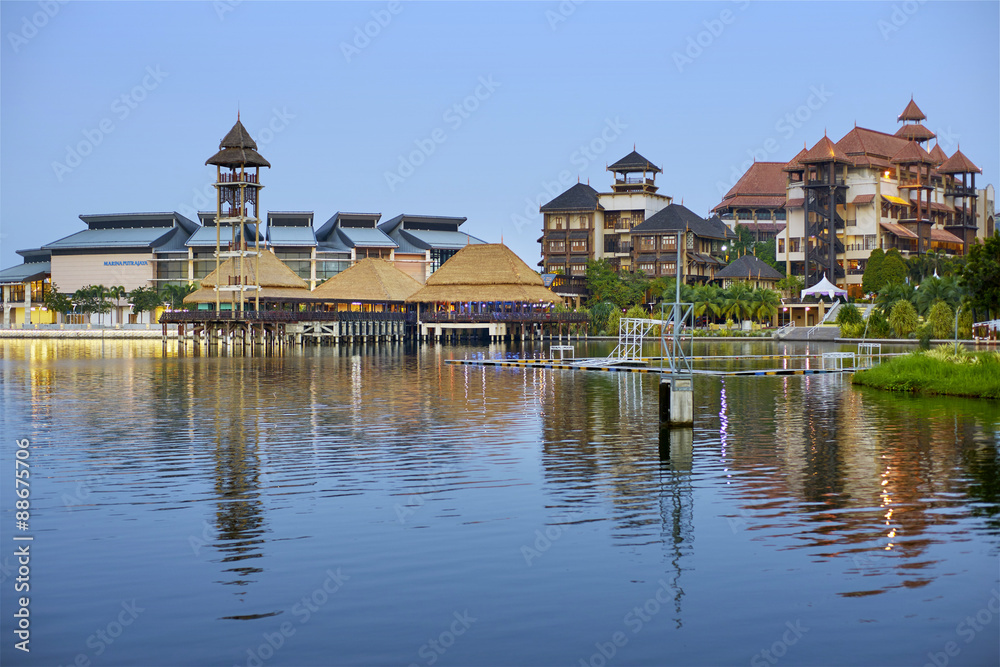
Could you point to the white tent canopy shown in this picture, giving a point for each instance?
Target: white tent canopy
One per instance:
(824, 287)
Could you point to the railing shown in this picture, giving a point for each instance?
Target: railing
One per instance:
(782, 331)
(618, 247)
(235, 178)
(470, 318)
(175, 317)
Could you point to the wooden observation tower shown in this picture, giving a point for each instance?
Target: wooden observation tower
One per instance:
(238, 209)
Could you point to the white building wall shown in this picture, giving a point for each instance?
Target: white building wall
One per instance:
(71, 272)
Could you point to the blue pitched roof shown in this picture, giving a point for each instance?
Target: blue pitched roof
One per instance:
(24, 272)
(431, 239)
(133, 237)
(205, 236)
(291, 236)
(361, 236)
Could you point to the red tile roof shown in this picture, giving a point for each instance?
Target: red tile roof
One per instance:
(911, 112)
(762, 186)
(752, 201)
(863, 199)
(910, 153)
(870, 147)
(795, 203)
(915, 132)
(794, 164)
(898, 230)
(943, 236)
(938, 154)
(824, 151)
(959, 164)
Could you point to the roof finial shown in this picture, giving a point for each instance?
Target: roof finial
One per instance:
(578, 179)
(633, 146)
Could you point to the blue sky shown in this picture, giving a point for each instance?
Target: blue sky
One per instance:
(482, 110)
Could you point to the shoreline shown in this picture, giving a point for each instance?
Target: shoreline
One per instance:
(157, 334)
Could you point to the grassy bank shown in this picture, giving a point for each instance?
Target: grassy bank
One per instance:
(939, 371)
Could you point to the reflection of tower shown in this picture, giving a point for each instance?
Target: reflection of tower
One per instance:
(239, 512)
(676, 503)
(237, 206)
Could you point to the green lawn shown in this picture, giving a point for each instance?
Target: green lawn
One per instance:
(937, 372)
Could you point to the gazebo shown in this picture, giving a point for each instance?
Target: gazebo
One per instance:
(277, 283)
(370, 285)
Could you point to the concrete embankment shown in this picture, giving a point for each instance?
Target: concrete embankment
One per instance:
(88, 334)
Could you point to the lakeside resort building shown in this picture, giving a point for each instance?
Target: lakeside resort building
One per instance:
(633, 227)
(832, 204)
(158, 249)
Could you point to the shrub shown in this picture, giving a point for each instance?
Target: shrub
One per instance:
(965, 321)
(903, 319)
(614, 322)
(637, 312)
(849, 314)
(941, 320)
(878, 326)
(923, 334)
(852, 329)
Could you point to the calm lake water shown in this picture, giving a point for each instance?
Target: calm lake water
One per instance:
(382, 507)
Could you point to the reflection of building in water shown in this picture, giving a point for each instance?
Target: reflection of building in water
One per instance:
(677, 504)
(239, 516)
(860, 471)
(600, 443)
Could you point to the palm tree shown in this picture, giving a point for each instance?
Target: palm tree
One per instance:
(891, 293)
(174, 294)
(737, 302)
(765, 304)
(707, 300)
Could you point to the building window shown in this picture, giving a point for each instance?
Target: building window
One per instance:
(779, 214)
(556, 222)
(795, 243)
(578, 269)
(557, 268)
(439, 257)
(557, 246)
(781, 245)
(870, 242)
(668, 268)
(578, 245)
(610, 219)
(744, 215)
(647, 244)
(647, 267)
(668, 243)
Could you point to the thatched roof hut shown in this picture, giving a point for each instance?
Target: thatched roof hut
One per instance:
(484, 272)
(276, 280)
(374, 280)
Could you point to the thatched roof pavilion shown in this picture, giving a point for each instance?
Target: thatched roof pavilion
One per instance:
(370, 280)
(489, 272)
(277, 281)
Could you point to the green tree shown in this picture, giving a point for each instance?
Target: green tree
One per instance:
(877, 325)
(737, 301)
(599, 313)
(743, 243)
(932, 290)
(94, 299)
(57, 302)
(890, 294)
(980, 276)
(941, 319)
(764, 304)
(903, 318)
(766, 251)
(893, 268)
(871, 279)
(173, 295)
(620, 288)
(708, 301)
(849, 314)
(145, 299)
(791, 286)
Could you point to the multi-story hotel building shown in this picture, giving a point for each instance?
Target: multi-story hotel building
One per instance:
(633, 227)
(868, 190)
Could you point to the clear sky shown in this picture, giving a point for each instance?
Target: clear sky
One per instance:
(482, 110)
